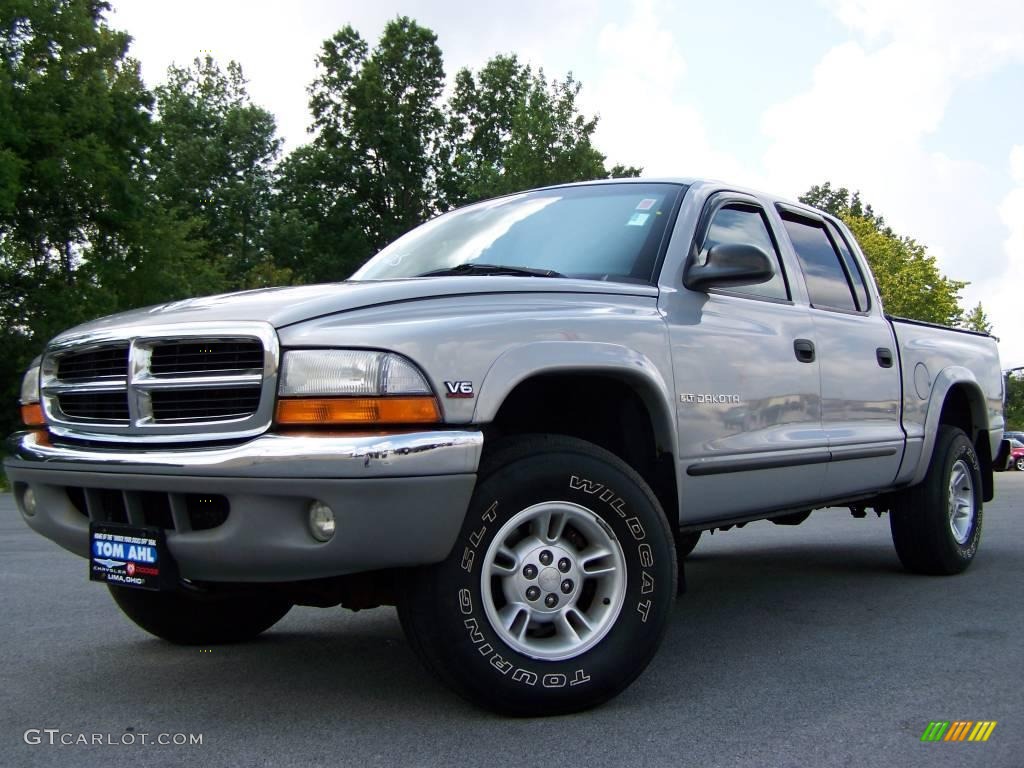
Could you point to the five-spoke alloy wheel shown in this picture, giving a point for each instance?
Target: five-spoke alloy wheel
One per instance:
(553, 580)
(558, 590)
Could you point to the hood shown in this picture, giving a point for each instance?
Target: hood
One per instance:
(286, 306)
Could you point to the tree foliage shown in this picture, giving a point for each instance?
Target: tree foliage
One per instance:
(908, 276)
(388, 152)
(213, 170)
(977, 320)
(370, 172)
(509, 128)
(74, 129)
(1014, 411)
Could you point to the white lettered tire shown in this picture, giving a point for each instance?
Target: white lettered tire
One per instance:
(559, 588)
(936, 525)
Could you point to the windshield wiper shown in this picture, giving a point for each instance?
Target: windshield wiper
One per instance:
(491, 269)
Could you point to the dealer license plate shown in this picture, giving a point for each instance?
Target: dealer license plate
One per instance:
(127, 556)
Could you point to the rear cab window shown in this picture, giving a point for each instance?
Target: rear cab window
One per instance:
(833, 279)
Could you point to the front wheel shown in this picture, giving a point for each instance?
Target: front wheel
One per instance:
(187, 619)
(936, 525)
(558, 590)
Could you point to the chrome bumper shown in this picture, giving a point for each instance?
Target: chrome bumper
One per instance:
(399, 499)
(411, 454)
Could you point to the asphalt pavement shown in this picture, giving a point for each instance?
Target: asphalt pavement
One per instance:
(805, 646)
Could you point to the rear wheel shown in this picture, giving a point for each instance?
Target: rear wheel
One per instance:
(187, 619)
(558, 591)
(936, 525)
(1019, 463)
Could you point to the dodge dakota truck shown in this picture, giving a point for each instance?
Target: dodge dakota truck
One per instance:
(513, 423)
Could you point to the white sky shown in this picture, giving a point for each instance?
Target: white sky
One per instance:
(917, 103)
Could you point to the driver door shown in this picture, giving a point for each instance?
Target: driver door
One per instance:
(748, 403)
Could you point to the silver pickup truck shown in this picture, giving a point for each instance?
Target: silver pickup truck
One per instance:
(513, 423)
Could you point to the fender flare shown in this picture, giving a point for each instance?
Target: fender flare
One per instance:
(518, 364)
(947, 378)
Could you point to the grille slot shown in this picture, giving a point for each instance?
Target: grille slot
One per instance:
(196, 405)
(108, 506)
(206, 512)
(95, 406)
(153, 509)
(198, 358)
(95, 365)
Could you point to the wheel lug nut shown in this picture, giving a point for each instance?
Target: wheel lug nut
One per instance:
(530, 571)
(546, 557)
(567, 586)
(564, 565)
(551, 600)
(532, 593)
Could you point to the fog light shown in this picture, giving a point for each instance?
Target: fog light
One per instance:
(321, 521)
(28, 502)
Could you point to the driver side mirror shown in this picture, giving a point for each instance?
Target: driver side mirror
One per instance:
(730, 264)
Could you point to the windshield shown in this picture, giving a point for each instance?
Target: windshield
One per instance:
(596, 232)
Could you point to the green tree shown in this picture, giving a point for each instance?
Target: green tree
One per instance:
(908, 276)
(509, 128)
(1014, 410)
(977, 320)
(74, 129)
(369, 174)
(213, 168)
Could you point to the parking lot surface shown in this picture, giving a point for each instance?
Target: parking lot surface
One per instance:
(805, 646)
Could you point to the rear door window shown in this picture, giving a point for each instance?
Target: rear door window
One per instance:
(860, 288)
(827, 284)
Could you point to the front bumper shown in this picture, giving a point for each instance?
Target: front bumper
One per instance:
(399, 499)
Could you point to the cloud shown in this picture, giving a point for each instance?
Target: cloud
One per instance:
(1004, 297)
(640, 94)
(873, 103)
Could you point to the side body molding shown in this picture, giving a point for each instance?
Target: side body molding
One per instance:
(946, 379)
(581, 357)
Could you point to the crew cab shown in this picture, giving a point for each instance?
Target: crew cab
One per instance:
(513, 423)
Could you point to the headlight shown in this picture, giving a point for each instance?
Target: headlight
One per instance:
(352, 387)
(30, 384)
(31, 411)
(348, 372)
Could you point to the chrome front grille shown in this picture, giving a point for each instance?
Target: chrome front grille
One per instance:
(183, 382)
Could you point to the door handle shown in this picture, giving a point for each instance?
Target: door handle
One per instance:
(884, 357)
(804, 349)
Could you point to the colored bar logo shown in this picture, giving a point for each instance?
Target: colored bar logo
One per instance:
(958, 730)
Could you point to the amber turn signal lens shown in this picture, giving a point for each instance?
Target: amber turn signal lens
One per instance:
(357, 410)
(32, 415)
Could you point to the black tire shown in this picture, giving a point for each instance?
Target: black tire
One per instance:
(185, 619)
(685, 543)
(1019, 464)
(920, 516)
(442, 607)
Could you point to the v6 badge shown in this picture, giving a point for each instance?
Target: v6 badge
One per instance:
(458, 389)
